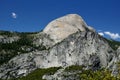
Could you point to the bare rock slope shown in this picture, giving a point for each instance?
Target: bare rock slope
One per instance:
(71, 42)
(64, 26)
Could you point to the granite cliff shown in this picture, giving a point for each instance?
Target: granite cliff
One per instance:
(64, 42)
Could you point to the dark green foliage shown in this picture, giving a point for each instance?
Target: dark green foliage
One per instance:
(8, 33)
(74, 67)
(40, 47)
(113, 44)
(23, 45)
(79, 71)
(9, 50)
(96, 75)
(6, 57)
(38, 73)
(101, 74)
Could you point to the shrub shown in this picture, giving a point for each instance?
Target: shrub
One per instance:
(38, 73)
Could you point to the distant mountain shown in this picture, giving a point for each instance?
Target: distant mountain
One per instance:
(67, 49)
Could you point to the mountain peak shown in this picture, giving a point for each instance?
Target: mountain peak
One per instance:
(62, 27)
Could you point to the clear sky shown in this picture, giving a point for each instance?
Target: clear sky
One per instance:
(34, 15)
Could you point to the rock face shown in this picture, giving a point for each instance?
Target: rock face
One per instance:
(43, 39)
(5, 39)
(118, 52)
(70, 41)
(62, 27)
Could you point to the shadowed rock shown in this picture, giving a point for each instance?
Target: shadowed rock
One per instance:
(70, 42)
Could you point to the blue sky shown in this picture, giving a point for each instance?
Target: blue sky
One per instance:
(34, 15)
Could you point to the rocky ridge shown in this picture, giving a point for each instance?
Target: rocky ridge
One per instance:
(68, 41)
